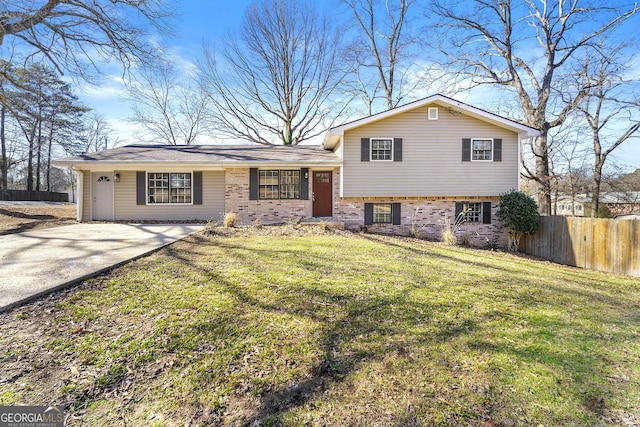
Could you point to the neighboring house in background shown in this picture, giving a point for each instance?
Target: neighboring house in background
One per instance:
(410, 168)
(618, 203)
(579, 205)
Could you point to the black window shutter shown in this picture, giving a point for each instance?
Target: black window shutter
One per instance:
(395, 213)
(197, 188)
(141, 188)
(486, 213)
(497, 150)
(365, 151)
(368, 213)
(459, 207)
(397, 149)
(466, 149)
(304, 183)
(253, 184)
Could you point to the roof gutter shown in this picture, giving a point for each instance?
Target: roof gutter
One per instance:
(107, 165)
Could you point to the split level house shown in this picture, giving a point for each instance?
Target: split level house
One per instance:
(414, 168)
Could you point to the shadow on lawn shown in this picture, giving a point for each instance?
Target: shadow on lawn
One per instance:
(348, 321)
(347, 318)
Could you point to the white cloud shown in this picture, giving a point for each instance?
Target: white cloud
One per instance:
(111, 87)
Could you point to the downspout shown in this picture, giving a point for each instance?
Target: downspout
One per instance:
(341, 156)
(519, 162)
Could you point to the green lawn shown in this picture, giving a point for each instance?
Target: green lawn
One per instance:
(335, 330)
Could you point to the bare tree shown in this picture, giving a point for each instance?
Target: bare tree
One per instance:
(45, 110)
(171, 109)
(568, 168)
(273, 80)
(492, 42)
(610, 108)
(4, 160)
(69, 34)
(94, 134)
(382, 52)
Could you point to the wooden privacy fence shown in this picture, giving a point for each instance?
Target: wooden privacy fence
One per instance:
(24, 195)
(611, 245)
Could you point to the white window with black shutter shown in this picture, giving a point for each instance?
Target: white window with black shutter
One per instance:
(382, 213)
(274, 184)
(381, 149)
(481, 149)
(473, 213)
(162, 188)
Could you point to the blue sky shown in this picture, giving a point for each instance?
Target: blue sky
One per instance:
(196, 21)
(199, 20)
(207, 19)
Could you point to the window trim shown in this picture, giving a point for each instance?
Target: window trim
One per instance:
(492, 149)
(396, 213)
(466, 211)
(430, 110)
(279, 192)
(148, 203)
(289, 186)
(373, 213)
(484, 215)
(392, 149)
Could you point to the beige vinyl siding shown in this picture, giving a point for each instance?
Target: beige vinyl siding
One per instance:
(212, 201)
(432, 158)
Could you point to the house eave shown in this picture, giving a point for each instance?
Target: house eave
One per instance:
(203, 166)
(332, 139)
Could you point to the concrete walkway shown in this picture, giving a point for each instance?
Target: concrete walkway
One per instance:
(37, 262)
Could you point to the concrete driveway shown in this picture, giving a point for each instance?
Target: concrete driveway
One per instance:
(37, 262)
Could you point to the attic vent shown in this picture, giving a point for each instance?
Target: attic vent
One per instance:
(433, 113)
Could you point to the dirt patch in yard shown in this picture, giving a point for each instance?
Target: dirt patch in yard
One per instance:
(17, 218)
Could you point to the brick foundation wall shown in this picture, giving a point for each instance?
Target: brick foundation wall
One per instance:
(423, 217)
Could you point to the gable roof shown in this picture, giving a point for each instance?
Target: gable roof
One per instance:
(205, 155)
(333, 135)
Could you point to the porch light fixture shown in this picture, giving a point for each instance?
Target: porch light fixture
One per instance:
(116, 177)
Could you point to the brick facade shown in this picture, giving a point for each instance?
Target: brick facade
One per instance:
(236, 197)
(424, 217)
(623, 208)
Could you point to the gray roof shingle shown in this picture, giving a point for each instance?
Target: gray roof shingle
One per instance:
(209, 154)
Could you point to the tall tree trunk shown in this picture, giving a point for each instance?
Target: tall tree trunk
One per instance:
(30, 162)
(39, 155)
(543, 180)
(49, 157)
(597, 174)
(4, 163)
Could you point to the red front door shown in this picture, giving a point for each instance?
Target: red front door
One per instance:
(322, 197)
